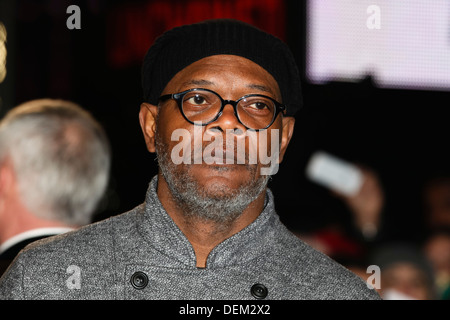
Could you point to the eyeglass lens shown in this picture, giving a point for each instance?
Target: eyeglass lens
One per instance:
(254, 111)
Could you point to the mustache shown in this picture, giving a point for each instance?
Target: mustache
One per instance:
(220, 153)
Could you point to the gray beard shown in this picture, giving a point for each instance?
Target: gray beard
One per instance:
(216, 204)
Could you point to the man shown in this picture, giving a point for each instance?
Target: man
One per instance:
(208, 228)
(54, 168)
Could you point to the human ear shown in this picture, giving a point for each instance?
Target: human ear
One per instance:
(147, 119)
(286, 135)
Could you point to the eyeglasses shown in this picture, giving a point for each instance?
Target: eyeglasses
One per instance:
(254, 111)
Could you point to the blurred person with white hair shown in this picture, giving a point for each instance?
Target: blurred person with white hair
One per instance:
(54, 170)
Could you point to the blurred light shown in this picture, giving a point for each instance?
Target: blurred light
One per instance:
(2, 52)
(401, 44)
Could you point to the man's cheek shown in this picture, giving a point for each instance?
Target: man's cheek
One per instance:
(264, 148)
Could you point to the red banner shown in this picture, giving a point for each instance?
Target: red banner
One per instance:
(132, 27)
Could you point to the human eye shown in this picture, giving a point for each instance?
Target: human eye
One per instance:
(257, 105)
(196, 99)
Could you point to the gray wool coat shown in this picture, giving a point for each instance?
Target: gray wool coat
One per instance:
(142, 254)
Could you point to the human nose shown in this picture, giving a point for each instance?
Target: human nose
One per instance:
(227, 120)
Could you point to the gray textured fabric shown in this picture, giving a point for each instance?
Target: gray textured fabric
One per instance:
(99, 260)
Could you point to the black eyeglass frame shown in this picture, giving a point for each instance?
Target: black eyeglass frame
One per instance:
(178, 97)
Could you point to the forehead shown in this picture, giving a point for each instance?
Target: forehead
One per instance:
(229, 72)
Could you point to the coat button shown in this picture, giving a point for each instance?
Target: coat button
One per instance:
(259, 291)
(139, 280)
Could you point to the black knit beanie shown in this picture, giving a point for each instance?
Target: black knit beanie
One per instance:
(179, 47)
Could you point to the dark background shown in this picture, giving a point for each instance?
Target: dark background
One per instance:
(402, 134)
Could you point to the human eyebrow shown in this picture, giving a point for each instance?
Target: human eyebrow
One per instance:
(260, 87)
(204, 82)
(198, 82)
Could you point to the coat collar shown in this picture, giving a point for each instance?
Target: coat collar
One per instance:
(158, 228)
